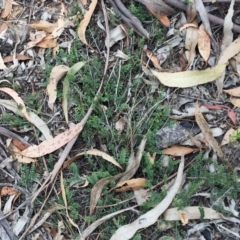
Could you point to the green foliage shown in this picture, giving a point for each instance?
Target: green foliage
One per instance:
(140, 12)
(13, 120)
(28, 175)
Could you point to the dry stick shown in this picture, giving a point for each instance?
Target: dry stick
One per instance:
(211, 17)
(129, 18)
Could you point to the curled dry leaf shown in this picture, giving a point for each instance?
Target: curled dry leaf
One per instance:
(84, 23)
(132, 184)
(207, 132)
(19, 144)
(151, 216)
(154, 59)
(204, 43)
(116, 35)
(94, 152)
(189, 78)
(18, 100)
(183, 218)
(56, 74)
(188, 25)
(97, 190)
(178, 150)
(16, 153)
(134, 161)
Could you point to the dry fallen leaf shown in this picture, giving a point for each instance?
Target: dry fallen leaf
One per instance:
(7, 191)
(7, 9)
(154, 59)
(207, 132)
(151, 216)
(55, 76)
(178, 150)
(132, 184)
(33, 117)
(18, 100)
(18, 56)
(43, 25)
(94, 152)
(235, 92)
(51, 145)
(134, 161)
(189, 78)
(84, 23)
(227, 137)
(16, 153)
(235, 101)
(97, 190)
(65, 203)
(97, 223)
(204, 43)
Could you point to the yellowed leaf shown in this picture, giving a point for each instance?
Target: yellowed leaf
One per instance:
(206, 131)
(233, 92)
(204, 43)
(18, 100)
(178, 150)
(84, 23)
(235, 101)
(7, 9)
(44, 26)
(57, 73)
(53, 144)
(189, 78)
(132, 184)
